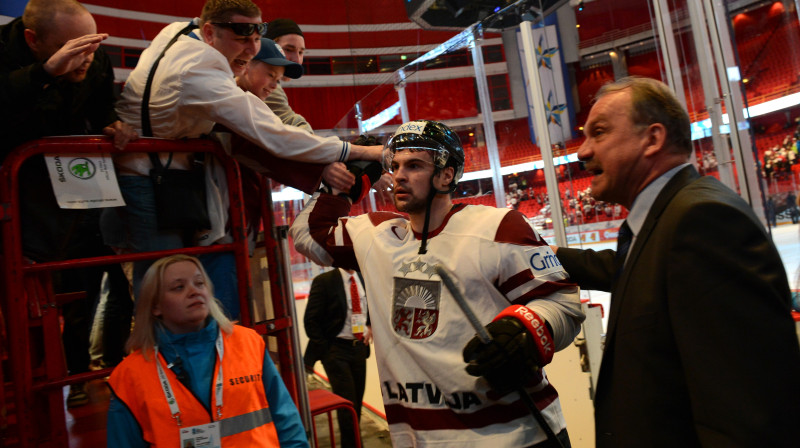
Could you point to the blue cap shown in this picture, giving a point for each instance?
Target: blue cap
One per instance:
(271, 54)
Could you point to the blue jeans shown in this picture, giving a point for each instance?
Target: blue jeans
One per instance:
(144, 235)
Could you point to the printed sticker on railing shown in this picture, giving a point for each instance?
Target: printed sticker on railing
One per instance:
(83, 181)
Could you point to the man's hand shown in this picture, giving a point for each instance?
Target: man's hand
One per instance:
(337, 176)
(384, 183)
(73, 54)
(367, 335)
(360, 176)
(121, 133)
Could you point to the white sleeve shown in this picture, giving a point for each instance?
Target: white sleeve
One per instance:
(551, 295)
(210, 92)
(531, 275)
(303, 241)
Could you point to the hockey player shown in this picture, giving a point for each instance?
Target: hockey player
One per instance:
(514, 284)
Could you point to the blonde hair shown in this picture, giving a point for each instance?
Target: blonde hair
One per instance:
(39, 15)
(143, 336)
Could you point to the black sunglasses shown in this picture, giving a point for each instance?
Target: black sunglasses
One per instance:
(243, 29)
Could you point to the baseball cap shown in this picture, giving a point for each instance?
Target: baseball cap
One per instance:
(271, 54)
(280, 27)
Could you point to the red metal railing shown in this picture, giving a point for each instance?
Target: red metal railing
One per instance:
(35, 416)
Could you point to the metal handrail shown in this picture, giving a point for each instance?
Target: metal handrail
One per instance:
(37, 394)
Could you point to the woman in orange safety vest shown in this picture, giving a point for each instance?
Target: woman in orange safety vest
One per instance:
(193, 378)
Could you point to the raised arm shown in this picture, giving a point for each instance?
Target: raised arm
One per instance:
(319, 231)
(208, 92)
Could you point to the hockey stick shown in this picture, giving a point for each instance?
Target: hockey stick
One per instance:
(449, 282)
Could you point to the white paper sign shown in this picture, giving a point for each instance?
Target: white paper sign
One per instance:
(83, 181)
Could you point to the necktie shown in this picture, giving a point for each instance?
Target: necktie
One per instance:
(624, 238)
(356, 302)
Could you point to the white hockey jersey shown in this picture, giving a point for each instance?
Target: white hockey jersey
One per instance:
(420, 331)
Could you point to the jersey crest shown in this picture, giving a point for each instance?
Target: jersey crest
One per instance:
(415, 308)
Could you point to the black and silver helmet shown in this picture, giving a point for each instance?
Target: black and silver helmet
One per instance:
(438, 140)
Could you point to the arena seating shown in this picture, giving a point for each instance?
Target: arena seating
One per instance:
(764, 38)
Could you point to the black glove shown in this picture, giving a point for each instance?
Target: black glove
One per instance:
(509, 361)
(366, 173)
(367, 140)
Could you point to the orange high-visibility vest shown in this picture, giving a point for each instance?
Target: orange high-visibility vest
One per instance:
(246, 420)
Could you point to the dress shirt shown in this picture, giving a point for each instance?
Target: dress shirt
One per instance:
(643, 202)
(347, 330)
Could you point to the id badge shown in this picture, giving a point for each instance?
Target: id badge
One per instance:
(359, 321)
(201, 436)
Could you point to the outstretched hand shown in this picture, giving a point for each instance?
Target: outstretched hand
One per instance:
(336, 175)
(73, 54)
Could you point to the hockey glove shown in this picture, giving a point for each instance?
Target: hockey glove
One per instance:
(521, 344)
(366, 173)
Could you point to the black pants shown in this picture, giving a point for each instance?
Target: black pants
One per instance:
(346, 366)
(117, 316)
(79, 314)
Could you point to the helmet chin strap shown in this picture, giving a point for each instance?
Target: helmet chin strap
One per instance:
(423, 247)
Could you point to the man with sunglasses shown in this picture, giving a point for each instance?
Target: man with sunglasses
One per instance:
(192, 90)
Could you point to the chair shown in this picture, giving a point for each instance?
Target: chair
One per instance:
(323, 401)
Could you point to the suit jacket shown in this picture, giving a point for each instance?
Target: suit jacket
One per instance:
(701, 349)
(325, 314)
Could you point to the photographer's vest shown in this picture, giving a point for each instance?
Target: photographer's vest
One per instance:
(243, 419)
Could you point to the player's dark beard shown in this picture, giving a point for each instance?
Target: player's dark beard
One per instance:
(414, 205)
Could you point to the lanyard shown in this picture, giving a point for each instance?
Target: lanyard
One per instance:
(167, 388)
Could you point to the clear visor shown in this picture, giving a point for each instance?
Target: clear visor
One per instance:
(438, 156)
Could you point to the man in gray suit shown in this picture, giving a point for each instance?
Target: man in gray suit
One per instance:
(701, 349)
